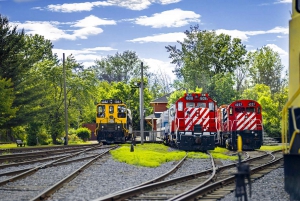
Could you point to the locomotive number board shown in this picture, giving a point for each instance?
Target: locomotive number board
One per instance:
(251, 104)
(191, 97)
(238, 104)
(111, 101)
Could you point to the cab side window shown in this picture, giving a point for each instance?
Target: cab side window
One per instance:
(101, 111)
(121, 111)
(211, 106)
(180, 106)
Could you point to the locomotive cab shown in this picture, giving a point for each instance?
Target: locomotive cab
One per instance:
(114, 122)
(241, 118)
(193, 122)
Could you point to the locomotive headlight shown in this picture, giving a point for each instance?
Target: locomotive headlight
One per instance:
(102, 126)
(255, 134)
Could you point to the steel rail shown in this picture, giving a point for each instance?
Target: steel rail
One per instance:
(33, 170)
(48, 192)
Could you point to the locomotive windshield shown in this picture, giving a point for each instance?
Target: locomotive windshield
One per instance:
(121, 111)
(203, 105)
(239, 109)
(111, 109)
(242, 109)
(250, 109)
(190, 104)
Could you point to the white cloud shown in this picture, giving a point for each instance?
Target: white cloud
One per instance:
(52, 29)
(234, 34)
(47, 29)
(87, 56)
(83, 33)
(244, 35)
(169, 37)
(170, 18)
(92, 21)
(280, 51)
(88, 6)
(179, 36)
(76, 7)
(284, 1)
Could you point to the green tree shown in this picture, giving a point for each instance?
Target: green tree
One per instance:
(119, 68)
(204, 54)
(129, 94)
(221, 88)
(270, 108)
(266, 68)
(12, 43)
(7, 98)
(80, 88)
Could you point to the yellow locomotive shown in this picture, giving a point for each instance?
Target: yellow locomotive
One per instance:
(114, 122)
(291, 111)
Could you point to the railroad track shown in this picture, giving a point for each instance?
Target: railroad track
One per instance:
(28, 149)
(187, 187)
(41, 154)
(23, 184)
(5, 170)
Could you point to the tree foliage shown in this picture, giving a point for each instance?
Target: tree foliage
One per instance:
(7, 98)
(221, 88)
(121, 67)
(266, 68)
(270, 108)
(204, 54)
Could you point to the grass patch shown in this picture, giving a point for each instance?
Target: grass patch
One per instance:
(153, 155)
(14, 145)
(147, 155)
(222, 153)
(200, 155)
(271, 148)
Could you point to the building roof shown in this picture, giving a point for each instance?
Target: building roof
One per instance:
(162, 99)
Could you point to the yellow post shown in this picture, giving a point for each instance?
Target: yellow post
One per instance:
(239, 143)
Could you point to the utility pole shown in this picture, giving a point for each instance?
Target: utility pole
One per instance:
(65, 101)
(142, 105)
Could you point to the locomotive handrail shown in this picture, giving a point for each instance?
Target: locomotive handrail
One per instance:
(296, 130)
(284, 121)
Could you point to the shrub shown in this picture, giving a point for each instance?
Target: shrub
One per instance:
(83, 133)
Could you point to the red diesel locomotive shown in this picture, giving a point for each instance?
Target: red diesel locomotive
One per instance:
(244, 118)
(192, 123)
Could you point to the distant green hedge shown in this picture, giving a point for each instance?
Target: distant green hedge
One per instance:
(83, 133)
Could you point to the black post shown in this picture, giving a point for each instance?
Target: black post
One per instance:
(240, 185)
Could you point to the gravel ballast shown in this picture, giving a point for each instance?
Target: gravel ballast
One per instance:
(113, 176)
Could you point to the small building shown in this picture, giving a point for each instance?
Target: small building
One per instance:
(159, 106)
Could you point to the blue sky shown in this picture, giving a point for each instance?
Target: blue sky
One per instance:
(91, 30)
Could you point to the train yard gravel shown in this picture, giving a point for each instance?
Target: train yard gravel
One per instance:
(268, 188)
(109, 176)
(113, 176)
